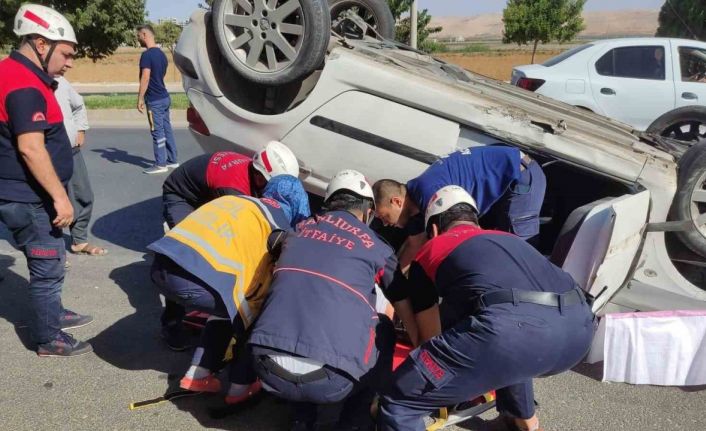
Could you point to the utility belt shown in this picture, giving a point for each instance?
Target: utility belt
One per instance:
(276, 369)
(547, 299)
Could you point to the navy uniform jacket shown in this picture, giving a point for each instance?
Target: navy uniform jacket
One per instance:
(466, 262)
(322, 299)
(27, 104)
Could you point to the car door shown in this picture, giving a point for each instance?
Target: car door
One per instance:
(602, 255)
(690, 73)
(633, 83)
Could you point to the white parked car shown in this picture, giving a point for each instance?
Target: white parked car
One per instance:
(653, 84)
(388, 111)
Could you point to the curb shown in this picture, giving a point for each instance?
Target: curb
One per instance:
(119, 87)
(130, 118)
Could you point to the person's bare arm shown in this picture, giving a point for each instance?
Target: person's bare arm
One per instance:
(34, 153)
(409, 250)
(403, 310)
(428, 323)
(144, 82)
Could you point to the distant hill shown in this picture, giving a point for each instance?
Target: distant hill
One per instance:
(598, 25)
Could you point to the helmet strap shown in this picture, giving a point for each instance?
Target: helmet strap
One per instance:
(43, 62)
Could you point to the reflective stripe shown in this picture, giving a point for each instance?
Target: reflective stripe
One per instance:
(230, 263)
(329, 278)
(239, 295)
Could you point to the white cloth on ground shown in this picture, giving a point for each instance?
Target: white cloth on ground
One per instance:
(666, 348)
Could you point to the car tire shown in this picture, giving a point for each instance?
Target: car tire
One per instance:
(375, 13)
(272, 46)
(687, 124)
(690, 199)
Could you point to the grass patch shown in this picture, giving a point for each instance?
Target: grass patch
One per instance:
(127, 101)
(474, 48)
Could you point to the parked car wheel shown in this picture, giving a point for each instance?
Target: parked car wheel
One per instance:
(376, 13)
(686, 124)
(690, 200)
(272, 42)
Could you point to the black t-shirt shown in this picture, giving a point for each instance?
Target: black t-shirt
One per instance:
(189, 181)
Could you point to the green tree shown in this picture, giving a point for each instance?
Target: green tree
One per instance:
(534, 21)
(403, 27)
(167, 34)
(101, 25)
(683, 18)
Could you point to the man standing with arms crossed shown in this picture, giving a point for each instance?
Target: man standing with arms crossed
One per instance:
(35, 165)
(154, 97)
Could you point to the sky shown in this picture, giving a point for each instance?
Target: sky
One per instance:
(182, 9)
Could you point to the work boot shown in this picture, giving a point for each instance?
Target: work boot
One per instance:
(68, 319)
(176, 337)
(64, 345)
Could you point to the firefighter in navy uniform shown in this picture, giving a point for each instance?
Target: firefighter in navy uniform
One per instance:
(509, 316)
(35, 166)
(319, 339)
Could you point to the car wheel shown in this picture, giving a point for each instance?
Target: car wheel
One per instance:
(272, 42)
(690, 200)
(686, 124)
(375, 13)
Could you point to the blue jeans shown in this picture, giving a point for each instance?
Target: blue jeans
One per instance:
(165, 150)
(518, 209)
(43, 245)
(503, 347)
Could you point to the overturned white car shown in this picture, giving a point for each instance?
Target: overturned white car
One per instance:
(625, 212)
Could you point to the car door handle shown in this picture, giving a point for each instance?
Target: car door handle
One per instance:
(689, 96)
(608, 91)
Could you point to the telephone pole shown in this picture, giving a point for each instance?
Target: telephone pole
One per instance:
(413, 25)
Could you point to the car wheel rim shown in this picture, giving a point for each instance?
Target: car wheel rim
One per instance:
(688, 131)
(365, 13)
(698, 201)
(264, 35)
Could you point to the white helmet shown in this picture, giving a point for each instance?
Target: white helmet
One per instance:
(45, 22)
(276, 159)
(350, 180)
(445, 198)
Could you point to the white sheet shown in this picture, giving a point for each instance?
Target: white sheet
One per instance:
(665, 348)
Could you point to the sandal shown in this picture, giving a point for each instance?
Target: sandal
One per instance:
(89, 250)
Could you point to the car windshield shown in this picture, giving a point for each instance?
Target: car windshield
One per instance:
(564, 55)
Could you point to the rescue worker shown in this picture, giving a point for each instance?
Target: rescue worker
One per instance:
(319, 338)
(205, 178)
(509, 316)
(508, 185)
(35, 166)
(216, 261)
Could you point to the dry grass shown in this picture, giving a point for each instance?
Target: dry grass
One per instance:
(123, 66)
(496, 65)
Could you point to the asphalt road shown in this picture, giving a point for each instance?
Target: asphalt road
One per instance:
(131, 364)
